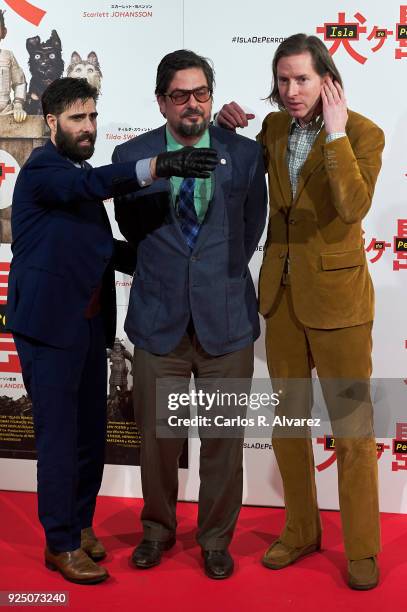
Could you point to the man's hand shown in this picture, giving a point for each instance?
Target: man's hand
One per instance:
(18, 113)
(232, 116)
(187, 162)
(334, 106)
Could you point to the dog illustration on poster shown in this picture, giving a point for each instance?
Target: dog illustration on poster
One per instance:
(88, 68)
(46, 65)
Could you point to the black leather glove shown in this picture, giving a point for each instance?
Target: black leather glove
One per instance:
(187, 162)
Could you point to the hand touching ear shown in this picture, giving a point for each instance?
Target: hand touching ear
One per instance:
(334, 107)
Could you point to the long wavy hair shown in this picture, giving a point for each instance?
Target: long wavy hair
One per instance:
(301, 43)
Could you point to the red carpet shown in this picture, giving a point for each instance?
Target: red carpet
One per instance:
(178, 584)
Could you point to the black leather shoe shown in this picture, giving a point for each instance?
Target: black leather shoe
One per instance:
(218, 564)
(148, 553)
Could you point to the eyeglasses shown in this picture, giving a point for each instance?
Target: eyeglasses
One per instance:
(182, 96)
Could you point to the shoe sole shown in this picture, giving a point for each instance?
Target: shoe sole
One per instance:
(275, 566)
(366, 587)
(363, 587)
(54, 568)
(145, 566)
(213, 577)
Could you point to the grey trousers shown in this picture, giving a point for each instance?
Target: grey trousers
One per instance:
(221, 469)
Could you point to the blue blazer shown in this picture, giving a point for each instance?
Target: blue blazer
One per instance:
(63, 248)
(211, 284)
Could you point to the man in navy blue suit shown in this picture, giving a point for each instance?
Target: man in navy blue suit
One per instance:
(193, 307)
(62, 310)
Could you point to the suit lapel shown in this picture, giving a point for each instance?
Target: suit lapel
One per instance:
(158, 144)
(314, 159)
(279, 158)
(222, 178)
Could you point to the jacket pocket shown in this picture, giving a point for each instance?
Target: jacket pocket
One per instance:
(346, 259)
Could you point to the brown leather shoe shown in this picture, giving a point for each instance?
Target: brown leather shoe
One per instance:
(363, 574)
(91, 545)
(281, 555)
(75, 566)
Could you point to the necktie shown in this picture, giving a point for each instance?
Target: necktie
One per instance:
(186, 212)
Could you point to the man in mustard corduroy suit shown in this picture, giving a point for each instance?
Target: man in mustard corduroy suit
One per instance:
(316, 293)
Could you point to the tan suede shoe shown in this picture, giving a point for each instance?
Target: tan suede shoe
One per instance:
(281, 555)
(91, 545)
(363, 574)
(75, 566)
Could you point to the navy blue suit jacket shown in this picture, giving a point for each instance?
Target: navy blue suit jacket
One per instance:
(63, 248)
(211, 284)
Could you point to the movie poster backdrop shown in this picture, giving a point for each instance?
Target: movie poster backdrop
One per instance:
(117, 46)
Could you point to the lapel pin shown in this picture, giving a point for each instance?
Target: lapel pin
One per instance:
(223, 161)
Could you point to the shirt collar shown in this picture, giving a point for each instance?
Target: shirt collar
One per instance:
(174, 145)
(313, 126)
(77, 164)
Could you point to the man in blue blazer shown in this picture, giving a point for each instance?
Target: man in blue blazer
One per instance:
(62, 311)
(193, 306)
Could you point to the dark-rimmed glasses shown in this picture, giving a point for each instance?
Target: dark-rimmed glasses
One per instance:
(181, 96)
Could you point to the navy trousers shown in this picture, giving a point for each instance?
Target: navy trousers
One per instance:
(68, 389)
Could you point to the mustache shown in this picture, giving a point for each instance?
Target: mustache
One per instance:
(190, 112)
(91, 137)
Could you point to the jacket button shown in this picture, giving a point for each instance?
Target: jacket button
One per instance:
(292, 221)
(193, 258)
(281, 255)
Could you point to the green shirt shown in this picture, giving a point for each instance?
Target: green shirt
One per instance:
(203, 187)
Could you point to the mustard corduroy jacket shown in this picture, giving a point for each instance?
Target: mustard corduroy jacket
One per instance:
(320, 230)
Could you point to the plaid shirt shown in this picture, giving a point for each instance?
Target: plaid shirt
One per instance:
(300, 143)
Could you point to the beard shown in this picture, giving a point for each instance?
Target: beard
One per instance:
(69, 146)
(192, 129)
